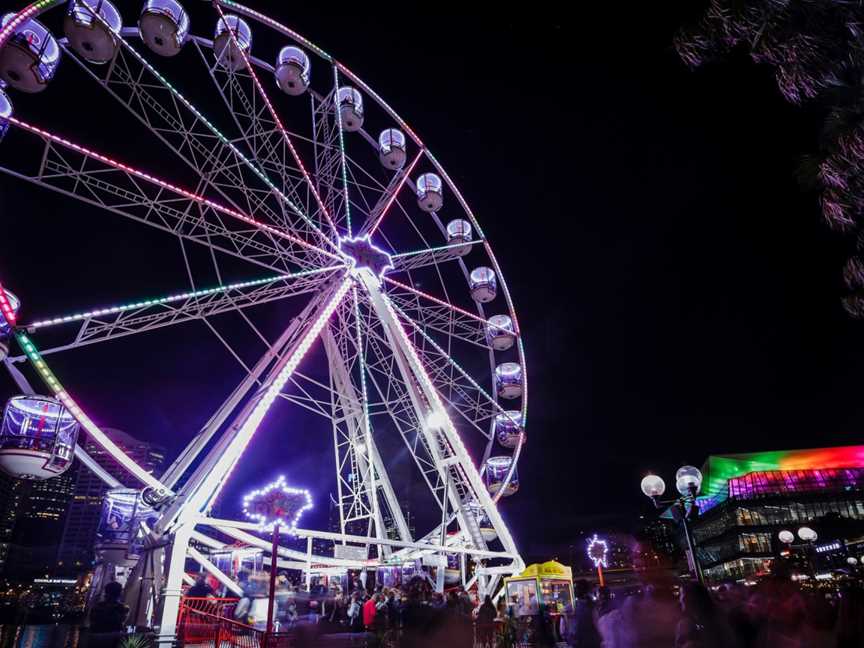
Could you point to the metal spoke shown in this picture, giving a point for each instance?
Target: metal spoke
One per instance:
(377, 214)
(278, 122)
(395, 403)
(430, 256)
(341, 140)
(203, 487)
(175, 120)
(455, 309)
(258, 131)
(463, 387)
(110, 323)
(97, 179)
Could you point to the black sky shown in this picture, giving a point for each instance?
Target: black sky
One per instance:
(678, 293)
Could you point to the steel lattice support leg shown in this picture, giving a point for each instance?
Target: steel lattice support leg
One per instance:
(450, 455)
(170, 599)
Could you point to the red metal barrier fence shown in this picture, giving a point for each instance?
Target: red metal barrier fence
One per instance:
(209, 622)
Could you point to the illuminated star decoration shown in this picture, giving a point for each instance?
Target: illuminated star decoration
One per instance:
(361, 253)
(277, 503)
(597, 550)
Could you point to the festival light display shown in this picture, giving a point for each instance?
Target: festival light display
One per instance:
(598, 550)
(277, 505)
(362, 253)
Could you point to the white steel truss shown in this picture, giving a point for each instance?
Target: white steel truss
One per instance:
(282, 200)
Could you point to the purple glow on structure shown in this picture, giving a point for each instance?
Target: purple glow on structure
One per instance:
(597, 551)
(277, 504)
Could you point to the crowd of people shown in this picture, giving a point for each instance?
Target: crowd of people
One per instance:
(412, 616)
(775, 613)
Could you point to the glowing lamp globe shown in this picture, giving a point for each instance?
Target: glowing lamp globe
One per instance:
(786, 537)
(688, 480)
(653, 486)
(807, 534)
(852, 560)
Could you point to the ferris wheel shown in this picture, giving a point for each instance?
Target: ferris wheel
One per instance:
(313, 191)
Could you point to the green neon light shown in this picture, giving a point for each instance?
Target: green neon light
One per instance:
(338, 110)
(719, 469)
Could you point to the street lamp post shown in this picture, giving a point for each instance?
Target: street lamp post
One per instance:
(688, 481)
(809, 537)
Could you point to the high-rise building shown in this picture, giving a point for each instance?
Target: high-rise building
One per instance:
(31, 523)
(660, 544)
(85, 507)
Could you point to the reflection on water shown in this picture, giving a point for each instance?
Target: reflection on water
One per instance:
(39, 636)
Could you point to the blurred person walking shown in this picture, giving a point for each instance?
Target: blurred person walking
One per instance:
(583, 631)
(703, 625)
(850, 619)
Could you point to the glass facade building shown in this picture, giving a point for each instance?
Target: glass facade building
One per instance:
(76, 551)
(748, 499)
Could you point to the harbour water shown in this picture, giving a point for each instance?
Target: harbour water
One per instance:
(52, 635)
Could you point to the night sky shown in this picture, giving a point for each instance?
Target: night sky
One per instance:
(678, 292)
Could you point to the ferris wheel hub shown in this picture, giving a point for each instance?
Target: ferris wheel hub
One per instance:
(360, 252)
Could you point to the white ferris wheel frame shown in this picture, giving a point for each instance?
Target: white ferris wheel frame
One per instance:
(303, 257)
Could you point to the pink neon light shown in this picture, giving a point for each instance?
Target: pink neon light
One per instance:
(276, 119)
(171, 187)
(437, 301)
(396, 191)
(6, 308)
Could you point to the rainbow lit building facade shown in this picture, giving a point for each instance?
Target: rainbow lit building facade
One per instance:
(747, 499)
